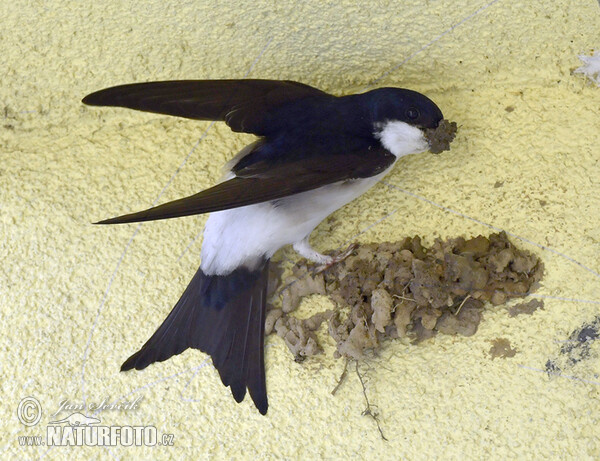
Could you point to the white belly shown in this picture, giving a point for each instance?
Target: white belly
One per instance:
(245, 236)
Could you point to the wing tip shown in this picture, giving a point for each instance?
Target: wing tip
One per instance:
(140, 216)
(93, 99)
(117, 220)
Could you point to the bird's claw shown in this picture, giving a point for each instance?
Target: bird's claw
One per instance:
(335, 259)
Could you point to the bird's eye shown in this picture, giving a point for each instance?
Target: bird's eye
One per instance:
(412, 113)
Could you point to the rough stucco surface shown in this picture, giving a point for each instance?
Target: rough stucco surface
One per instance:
(76, 299)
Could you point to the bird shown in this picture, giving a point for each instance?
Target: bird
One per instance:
(314, 153)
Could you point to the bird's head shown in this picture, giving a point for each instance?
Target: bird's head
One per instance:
(403, 120)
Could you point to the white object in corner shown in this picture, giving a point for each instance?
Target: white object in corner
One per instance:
(591, 67)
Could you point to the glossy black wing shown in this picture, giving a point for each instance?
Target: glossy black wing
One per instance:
(243, 104)
(261, 183)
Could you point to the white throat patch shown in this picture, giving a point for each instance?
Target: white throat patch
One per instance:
(400, 138)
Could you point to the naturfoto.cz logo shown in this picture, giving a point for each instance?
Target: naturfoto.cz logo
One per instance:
(79, 429)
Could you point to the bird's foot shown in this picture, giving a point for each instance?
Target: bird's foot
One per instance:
(331, 260)
(322, 261)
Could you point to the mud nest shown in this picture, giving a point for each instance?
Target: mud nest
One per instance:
(402, 289)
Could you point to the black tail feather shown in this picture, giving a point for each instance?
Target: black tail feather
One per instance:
(255, 361)
(223, 316)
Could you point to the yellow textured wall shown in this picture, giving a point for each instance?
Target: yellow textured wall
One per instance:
(77, 299)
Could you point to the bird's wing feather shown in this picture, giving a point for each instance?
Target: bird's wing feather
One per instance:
(264, 182)
(242, 104)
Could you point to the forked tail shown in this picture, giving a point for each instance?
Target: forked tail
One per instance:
(224, 316)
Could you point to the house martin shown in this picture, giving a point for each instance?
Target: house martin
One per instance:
(315, 152)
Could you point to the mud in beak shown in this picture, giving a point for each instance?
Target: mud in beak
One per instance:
(439, 138)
